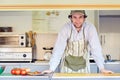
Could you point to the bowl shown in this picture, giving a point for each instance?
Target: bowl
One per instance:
(2, 68)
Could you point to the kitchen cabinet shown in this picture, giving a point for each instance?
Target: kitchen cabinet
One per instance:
(52, 21)
(109, 12)
(93, 68)
(113, 66)
(109, 21)
(109, 32)
(110, 45)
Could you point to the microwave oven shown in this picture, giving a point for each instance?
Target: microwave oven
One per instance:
(12, 40)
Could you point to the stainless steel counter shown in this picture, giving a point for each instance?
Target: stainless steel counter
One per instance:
(63, 76)
(44, 65)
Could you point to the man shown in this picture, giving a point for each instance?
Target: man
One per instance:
(76, 40)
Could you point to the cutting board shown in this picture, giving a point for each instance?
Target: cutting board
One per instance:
(82, 74)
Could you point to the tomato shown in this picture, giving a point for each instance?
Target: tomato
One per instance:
(13, 71)
(20, 71)
(23, 72)
(17, 71)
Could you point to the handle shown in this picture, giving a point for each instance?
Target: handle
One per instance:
(45, 48)
(104, 39)
(101, 40)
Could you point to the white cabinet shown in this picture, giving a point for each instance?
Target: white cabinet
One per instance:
(109, 30)
(51, 21)
(110, 45)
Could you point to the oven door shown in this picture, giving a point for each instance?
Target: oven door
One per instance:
(11, 40)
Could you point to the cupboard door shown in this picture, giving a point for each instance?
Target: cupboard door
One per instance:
(109, 21)
(113, 66)
(93, 68)
(110, 45)
(109, 24)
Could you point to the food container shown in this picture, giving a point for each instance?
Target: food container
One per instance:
(2, 68)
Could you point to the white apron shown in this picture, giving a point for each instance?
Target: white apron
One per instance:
(76, 48)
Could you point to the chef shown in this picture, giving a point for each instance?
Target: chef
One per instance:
(77, 39)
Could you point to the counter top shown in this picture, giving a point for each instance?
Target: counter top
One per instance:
(71, 75)
(116, 62)
(63, 76)
(66, 75)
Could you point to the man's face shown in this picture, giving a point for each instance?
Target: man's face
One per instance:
(77, 19)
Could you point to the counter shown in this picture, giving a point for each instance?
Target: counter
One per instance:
(63, 76)
(44, 65)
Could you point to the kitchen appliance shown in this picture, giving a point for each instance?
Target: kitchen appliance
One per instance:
(108, 57)
(2, 68)
(12, 40)
(47, 53)
(91, 59)
(6, 29)
(16, 54)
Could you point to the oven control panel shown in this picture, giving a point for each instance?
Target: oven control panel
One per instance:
(15, 54)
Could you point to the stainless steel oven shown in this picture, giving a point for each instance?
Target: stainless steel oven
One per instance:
(16, 54)
(12, 40)
(13, 47)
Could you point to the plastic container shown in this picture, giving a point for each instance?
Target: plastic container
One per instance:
(1, 69)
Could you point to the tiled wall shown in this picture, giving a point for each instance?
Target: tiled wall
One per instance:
(44, 40)
(111, 45)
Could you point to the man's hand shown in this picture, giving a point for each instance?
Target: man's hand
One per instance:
(104, 71)
(47, 71)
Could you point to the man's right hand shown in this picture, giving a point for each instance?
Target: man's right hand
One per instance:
(47, 72)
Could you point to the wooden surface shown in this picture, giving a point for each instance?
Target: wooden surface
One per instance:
(73, 75)
(84, 75)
